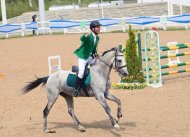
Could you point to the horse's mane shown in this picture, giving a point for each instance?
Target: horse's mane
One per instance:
(113, 49)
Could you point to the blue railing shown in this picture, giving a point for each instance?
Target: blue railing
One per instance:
(83, 24)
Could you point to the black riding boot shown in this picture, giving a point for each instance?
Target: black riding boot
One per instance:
(77, 87)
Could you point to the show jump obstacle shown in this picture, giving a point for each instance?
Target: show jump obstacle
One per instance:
(153, 67)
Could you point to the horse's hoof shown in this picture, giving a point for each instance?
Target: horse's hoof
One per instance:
(81, 128)
(49, 131)
(116, 126)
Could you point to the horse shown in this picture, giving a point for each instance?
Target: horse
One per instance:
(56, 84)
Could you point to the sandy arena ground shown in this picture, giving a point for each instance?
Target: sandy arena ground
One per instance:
(162, 112)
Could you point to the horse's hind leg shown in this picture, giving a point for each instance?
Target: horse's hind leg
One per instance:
(70, 105)
(51, 100)
(113, 98)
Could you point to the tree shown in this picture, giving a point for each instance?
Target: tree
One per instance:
(133, 60)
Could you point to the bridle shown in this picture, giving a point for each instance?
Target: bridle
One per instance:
(114, 64)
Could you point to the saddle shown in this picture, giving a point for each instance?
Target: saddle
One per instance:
(85, 82)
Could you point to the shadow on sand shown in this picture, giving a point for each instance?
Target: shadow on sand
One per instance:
(176, 78)
(103, 125)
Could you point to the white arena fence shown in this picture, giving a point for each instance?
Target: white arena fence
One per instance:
(81, 26)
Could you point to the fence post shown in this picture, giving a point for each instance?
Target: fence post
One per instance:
(139, 46)
(154, 79)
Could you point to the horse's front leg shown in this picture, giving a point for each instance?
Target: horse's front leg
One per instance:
(111, 97)
(103, 102)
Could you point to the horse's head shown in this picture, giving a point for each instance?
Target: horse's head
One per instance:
(118, 63)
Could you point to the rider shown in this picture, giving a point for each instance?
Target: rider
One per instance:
(86, 52)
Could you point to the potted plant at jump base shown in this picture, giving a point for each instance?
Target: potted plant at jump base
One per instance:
(135, 79)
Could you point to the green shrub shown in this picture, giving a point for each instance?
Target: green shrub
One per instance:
(133, 60)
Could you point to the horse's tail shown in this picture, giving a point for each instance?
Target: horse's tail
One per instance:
(33, 84)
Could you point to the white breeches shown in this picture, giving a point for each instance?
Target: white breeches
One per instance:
(82, 63)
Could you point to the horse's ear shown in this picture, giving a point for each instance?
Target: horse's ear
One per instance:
(120, 50)
(114, 49)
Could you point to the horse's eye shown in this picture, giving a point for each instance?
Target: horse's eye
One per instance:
(119, 60)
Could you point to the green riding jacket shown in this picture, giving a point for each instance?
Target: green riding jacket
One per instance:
(87, 46)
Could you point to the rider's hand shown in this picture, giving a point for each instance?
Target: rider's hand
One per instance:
(87, 34)
(97, 56)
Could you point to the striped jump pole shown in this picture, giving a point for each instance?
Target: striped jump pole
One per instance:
(175, 65)
(175, 72)
(165, 48)
(170, 73)
(170, 66)
(177, 46)
(169, 56)
(175, 55)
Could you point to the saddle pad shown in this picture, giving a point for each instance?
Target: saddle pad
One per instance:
(72, 78)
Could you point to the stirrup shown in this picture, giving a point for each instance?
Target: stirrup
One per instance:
(75, 93)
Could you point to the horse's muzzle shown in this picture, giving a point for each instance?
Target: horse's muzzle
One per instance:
(124, 74)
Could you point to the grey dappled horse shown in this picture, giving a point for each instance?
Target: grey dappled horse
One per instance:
(56, 85)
